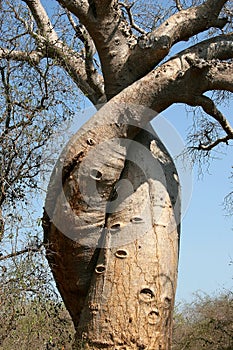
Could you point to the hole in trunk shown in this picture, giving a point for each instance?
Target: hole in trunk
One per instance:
(147, 295)
(176, 177)
(167, 302)
(96, 174)
(115, 227)
(136, 220)
(121, 253)
(90, 142)
(153, 316)
(100, 269)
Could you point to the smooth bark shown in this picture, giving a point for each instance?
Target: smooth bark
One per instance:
(123, 281)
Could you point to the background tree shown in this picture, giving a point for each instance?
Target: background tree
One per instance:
(32, 113)
(112, 54)
(32, 315)
(205, 323)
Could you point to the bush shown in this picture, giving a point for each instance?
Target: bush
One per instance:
(32, 315)
(207, 323)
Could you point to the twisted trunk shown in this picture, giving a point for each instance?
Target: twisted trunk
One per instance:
(113, 239)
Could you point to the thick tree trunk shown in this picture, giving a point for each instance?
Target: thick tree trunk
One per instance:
(117, 271)
(131, 297)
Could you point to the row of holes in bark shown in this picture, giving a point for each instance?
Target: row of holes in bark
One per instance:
(120, 253)
(97, 175)
(153, 315)
(145, 294)
(135, 220)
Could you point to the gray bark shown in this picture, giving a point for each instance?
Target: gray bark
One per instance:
(123, 281)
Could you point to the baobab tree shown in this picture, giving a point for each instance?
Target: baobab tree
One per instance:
(112, 213)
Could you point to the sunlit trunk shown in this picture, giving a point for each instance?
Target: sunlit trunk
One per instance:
(120, 293)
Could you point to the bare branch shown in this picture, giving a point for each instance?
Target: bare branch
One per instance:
(210, 108)
(90, 83)
(75, 66)
(20, 252)
(159, 42)
(5, 76)
(83, 35)
(209, 147)
(28, 26)
(178, 5)
(42, 20)
(131, 19)
(228, 203)
(33, 57)
(70, 18)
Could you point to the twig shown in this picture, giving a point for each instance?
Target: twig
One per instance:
(213, 144)
(20, 252)
(210, 108)
(178, 5)
(131, 20)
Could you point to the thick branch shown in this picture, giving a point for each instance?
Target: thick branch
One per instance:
(190, 73)
(91, 83)
(31, 57)
(101, 8)
(113, 38)
(42, 20)
(103, 3)
(120, 57)
(210, 108)
(220, 77)
(178, 27)
(80, 8)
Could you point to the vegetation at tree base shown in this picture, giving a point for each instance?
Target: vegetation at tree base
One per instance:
(206, 323)
(32, 315)
(123, 57)
(43, 323)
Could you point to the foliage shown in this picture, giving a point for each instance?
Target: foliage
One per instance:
(32, 314)
(36, 99)
(32, 109)
(206, 323)
(41, 322)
